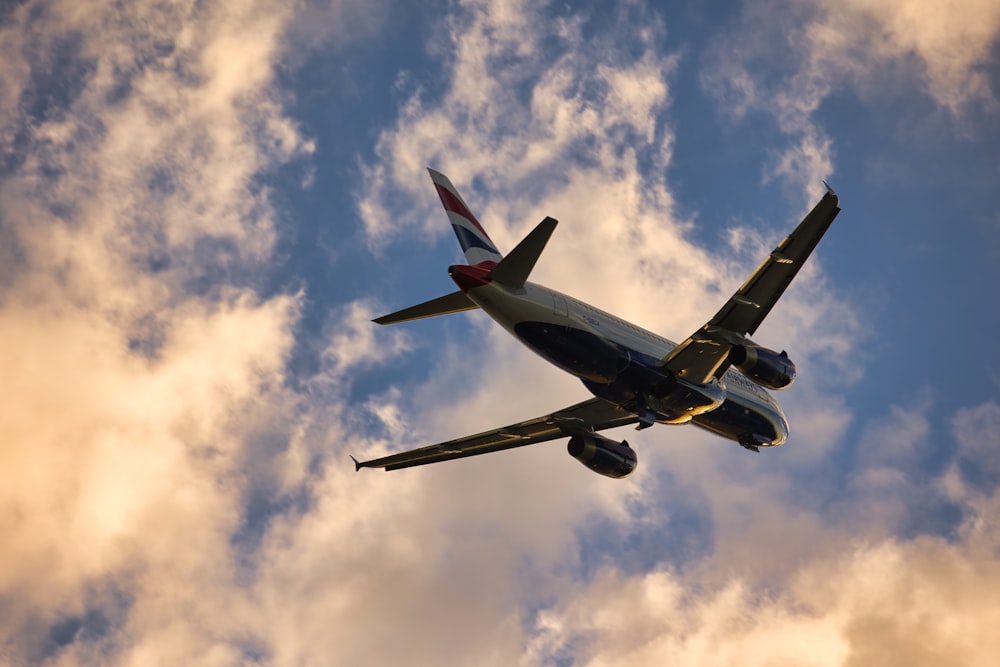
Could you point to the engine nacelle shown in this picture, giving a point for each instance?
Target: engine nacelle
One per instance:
(765, 367)
(603, 455)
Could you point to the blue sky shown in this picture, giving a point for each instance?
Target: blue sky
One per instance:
(203, 205)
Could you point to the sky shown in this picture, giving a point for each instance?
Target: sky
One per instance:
(203, 204)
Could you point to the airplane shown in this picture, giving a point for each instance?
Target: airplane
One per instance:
(716, 379)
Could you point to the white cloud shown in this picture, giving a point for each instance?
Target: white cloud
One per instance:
(925, 601)
(806, 164)
(522, 101)
(836, 595)
(169, 496)
(354, 342)
(977, 431)
(787, 68)
(950, 41)
(144, 381)
(112, 462)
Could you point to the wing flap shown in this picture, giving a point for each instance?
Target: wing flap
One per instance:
(592, 415)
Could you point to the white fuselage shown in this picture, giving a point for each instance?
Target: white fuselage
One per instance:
(617, 360)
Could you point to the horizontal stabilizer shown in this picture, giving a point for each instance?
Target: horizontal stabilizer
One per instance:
(513, 269)
(455, 302)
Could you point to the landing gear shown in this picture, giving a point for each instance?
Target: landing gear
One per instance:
(647, 418)
(754, 442)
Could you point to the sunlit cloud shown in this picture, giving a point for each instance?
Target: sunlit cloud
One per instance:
(144, 376)
(788, 69)
(172, 492)
(837, 595)
(889, 603)
(950, 42)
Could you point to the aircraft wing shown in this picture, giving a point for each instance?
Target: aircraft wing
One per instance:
(592, 415)
(705, 353)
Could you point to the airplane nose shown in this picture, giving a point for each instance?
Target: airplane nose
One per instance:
(782, 431)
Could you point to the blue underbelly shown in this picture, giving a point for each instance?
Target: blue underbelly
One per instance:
(576, 351)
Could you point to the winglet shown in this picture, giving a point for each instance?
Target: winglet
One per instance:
(357, 465)
(829, 190)
(513, 269)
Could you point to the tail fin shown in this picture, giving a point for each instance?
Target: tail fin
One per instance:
(479, 249)
(480, 252)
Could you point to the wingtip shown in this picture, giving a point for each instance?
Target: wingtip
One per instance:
(829, 190)
(357, 464)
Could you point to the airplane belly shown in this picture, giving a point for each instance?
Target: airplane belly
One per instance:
(576, 351)
(538, 318)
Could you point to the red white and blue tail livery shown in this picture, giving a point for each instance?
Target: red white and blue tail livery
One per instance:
(476, 243)
(716, 379)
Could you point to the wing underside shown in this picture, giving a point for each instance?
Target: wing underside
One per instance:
(592, 415)
(705, 353)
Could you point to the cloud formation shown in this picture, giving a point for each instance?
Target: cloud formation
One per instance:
(170, 493)
(144, 375)
(927, 601)
(950, 43)
(787, 69)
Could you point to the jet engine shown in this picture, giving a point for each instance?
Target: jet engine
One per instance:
(603, 455)
(765, 367)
